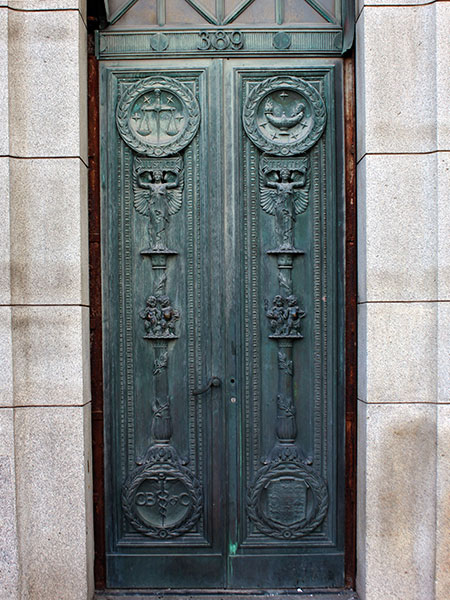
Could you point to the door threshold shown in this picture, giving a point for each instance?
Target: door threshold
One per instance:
(168, 594)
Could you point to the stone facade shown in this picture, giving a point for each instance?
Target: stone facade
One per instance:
(403, 94)
(46, 540)
(403, 91)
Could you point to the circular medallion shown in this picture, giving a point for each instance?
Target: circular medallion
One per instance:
(158, 116)
(159, 42)
(282, 40)
(284, 116)
(288, 500)
(162, 499)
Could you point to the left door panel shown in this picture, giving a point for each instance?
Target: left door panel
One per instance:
(160, 298)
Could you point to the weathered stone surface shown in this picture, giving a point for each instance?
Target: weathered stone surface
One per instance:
(4, 104)
(396, 492)
(54, 507)
(397, 236)
(443, 225)
(397, 352)
(48, 4)
(5, 266)
(6, 370)
(396, 74)
(49, 246)
(47, 83)
(443, 74)
(51, 355)
(443, 357)
(362, 3)
(361, 508)
(9, 564)
(443, 504)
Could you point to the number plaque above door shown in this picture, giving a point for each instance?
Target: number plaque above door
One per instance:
(214, 27)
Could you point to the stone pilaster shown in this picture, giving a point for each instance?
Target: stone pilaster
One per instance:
(403, 143)
(45, 442)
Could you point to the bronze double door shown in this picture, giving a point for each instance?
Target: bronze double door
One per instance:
(223, 313)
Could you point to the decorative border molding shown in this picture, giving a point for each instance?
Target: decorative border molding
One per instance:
(145, 44)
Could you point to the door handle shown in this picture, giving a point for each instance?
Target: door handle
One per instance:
(213, 382)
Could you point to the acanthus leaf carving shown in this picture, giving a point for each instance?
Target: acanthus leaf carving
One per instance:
(284, 363)
(160, 363)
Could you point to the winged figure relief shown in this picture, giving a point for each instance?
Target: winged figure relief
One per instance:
(284, 193)
(158, 194)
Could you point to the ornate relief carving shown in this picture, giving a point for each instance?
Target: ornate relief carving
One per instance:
(158, 194)
(284, 192)
(159, 318)
(284, 115)
(284, 317)
(284, 364)
(288, 498)
(221, 40)
(162, 498)
(286, 428)
(157, 116)
(160, 363)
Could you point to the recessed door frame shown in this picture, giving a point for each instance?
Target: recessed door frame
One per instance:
(96, 319)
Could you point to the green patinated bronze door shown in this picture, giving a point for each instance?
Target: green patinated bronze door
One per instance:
(222, 292)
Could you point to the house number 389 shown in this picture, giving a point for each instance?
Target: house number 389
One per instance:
(220, 40)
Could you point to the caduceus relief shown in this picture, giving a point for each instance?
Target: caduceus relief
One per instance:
(284, 189)
(158, 194)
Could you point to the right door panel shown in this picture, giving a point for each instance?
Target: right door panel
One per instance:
(282, 201)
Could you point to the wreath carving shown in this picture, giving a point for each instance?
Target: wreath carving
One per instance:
(188, 114)
(297, 469)
(285, 144)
